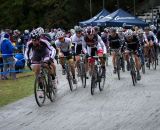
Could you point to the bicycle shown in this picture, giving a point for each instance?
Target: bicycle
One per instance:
(97, 76)
(43, 84)
(82, 70)
(119, 61)
(142, 59)
(152, 60)
(68, 72)
(132, 67)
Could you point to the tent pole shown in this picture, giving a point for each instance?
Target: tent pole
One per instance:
(103, 4)
(90, 8)
(134, 7)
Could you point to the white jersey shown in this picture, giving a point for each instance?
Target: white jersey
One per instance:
(77, 41)
(64, 46)
(99, 45)
(151, 34)
(45, 46)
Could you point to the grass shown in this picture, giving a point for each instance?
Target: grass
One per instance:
(13, 90)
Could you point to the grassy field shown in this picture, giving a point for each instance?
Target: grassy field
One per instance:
(12, 90)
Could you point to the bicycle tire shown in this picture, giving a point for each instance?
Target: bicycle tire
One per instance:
(143, 69)
(36, 88)
(52, 94)
(70, 82)
(102, 82)
(118, 68)
(133, 78)
(93, 85)
(83, 75)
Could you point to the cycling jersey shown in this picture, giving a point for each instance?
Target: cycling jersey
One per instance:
(90, 46)
(114, 42)
(133, 44)
(40, 52)
(77, 41)
(64, 46)
(150, 36)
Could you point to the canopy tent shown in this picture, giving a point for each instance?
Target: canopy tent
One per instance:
(119, 18)
(100, 15)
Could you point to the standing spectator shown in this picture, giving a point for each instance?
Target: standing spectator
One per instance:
(1, 60)
(7, 50)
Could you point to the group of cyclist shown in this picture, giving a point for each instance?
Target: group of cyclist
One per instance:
(90, 42)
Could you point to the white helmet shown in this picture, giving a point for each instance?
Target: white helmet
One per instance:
(120, 29)
(128, 33)
(40, 30)
(140, 31)
(60, 34)
(152, 27)
(26, 31)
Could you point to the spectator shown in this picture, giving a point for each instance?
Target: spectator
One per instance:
(7, 50)
(1, 60)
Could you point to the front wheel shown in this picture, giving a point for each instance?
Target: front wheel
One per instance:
(40, 91)
(133, 75)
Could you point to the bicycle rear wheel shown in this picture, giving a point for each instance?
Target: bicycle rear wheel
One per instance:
(40, 91)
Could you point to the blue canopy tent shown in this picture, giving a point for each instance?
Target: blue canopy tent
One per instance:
(119, 18)
(100, 15)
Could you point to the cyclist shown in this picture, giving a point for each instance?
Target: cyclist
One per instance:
(77, 43)
(92, 45)
(64, 45)
(41, 50)
(114, 43)
(132, 43)
(150, 40)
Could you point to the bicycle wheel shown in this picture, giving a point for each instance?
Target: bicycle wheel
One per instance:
(118, 68)
(40, 91)
(153, 59)
(69, 78)
(93, 82)
(83, 75)
(143, 69)
(102, 81)
(51, 90)
(133, 78)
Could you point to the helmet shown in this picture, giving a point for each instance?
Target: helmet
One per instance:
(26, 31)
(147, 28)
(152, 27)
(72, 31)
(112, 29)
(120, 29)
(90, 31)
(140, 31)
(35, 34)
(128, 33)
(106, 30)
(40, 30)
(77, 29)
(60, 34)
(96, 28)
